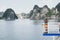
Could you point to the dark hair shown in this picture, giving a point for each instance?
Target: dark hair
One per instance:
(46, 20)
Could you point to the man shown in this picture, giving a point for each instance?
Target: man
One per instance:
(46, 25)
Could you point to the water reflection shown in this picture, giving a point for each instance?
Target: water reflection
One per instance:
(10, 30)
(22, 30)
(36, 22)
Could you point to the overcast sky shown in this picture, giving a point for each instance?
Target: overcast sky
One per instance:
(25, 6)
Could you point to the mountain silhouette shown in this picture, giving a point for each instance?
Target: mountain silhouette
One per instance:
(58, 7)
(9, 14)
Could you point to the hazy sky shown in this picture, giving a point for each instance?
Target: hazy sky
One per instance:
(20, 6)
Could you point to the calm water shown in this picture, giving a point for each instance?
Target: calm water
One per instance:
(23, 29)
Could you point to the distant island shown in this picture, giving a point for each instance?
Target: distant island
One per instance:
(36, 13)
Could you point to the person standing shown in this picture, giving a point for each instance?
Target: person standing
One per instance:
(46, 25)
